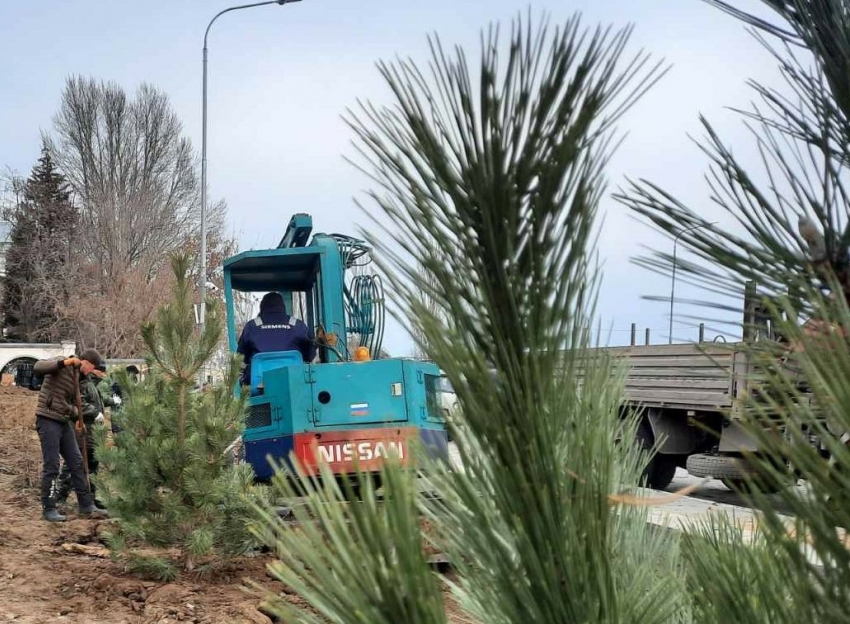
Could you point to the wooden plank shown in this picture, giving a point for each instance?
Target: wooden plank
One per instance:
(683, 362)
(702, 384)
(680, 391)
(674, 375)
(680, 362)
(682, 376)
(666, 373)
(680, 397)
(672, 350)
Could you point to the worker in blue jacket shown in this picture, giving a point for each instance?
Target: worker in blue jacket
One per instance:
(274, 330)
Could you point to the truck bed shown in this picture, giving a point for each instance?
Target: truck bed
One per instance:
(683, 376)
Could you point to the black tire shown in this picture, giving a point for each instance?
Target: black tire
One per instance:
(659, 472)
(733, 471)
(718, 466)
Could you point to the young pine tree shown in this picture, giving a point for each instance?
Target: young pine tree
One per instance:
(791, 210)
(167, 478)
(503, 167)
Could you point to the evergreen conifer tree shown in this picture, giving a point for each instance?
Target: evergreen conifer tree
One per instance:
(504, 166)
(793, 206)
(168, 477)
(39, 257)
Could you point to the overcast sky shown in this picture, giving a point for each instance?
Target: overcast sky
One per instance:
(280, 78)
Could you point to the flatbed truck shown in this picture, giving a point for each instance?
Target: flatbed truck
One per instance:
(692, 398)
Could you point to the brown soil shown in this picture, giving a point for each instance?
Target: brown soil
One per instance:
(60, 572)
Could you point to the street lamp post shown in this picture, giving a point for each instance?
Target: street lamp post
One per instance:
(203, 277)
(673, 280)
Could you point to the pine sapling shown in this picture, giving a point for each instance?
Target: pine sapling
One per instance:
(168, 477)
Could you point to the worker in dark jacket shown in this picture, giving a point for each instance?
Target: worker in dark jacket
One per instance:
(94, 404)
(55, 410)
(274, 330)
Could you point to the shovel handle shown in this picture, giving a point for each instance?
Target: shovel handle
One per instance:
(80, 426)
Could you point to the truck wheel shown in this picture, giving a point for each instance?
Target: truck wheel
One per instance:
(659, 472)
(733, 472)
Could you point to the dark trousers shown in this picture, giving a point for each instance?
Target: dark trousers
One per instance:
(58, 440)
(65, 484)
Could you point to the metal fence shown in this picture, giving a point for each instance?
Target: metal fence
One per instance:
(24, 377)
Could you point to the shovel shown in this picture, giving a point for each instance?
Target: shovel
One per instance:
(80, 427)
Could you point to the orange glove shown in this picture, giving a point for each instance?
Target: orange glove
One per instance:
(71, 361)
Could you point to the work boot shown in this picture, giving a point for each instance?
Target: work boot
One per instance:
(91, 511)
(63, 491)
(51, 515)
(62, 502)
(97, 502)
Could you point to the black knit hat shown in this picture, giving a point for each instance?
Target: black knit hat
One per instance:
(92, 356)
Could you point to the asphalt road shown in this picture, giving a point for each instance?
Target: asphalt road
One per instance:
(715, 491)
(712, 490)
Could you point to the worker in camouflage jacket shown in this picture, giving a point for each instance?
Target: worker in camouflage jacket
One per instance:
(117, 395)
(94, 403)
(55, 412)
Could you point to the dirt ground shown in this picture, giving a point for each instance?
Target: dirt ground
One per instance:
(60, 572)
(57, 572)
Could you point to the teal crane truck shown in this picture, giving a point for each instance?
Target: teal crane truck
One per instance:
(340, 410)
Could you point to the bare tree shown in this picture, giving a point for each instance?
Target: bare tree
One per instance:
(133, 177)
(111, 320)
(132, 172)
(12, 187)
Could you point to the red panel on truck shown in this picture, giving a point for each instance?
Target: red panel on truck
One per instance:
(343, 450)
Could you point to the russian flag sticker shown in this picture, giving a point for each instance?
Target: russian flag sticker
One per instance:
(359, 409)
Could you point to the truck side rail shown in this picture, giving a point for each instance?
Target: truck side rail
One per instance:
(681, 376)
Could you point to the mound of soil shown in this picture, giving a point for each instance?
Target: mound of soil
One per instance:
(62, 573)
